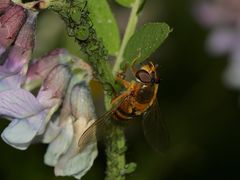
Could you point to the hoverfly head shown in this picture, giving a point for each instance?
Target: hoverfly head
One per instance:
(147, 74)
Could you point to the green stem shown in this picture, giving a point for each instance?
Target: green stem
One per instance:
(131, 26)
(115, 151)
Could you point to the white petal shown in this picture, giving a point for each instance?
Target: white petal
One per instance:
(73, 162)
(49, 112)
(81, 102)
(20, 133)
(60, 144)
(51, 132)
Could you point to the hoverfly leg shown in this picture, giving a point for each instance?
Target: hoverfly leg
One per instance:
(124, 82)
(118, 98)
(133, 69)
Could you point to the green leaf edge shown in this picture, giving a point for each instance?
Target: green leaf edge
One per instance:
(130, 56)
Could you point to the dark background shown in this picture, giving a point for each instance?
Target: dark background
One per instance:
(202, 114)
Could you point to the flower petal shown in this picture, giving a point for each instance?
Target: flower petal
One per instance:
(19, 103)
(12, 135)
(20, 133)
(78, 160)
(60, 144)
(81, 102)
(54, 86)
(206, 13)
(222, 41)
(73, 162)
(52, 131)
(9, 80)
(42, 67)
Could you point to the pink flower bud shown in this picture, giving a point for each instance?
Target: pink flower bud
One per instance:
(54, 86)
(4, 4)
(41, 67)
(10, 24)
(21, 52)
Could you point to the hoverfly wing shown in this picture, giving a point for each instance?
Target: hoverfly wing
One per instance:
(96, 130)
(155, 129)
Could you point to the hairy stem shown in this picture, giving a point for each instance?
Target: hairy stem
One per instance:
(131, 26)
(115, 151)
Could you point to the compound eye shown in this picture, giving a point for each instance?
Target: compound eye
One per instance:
(143, 76)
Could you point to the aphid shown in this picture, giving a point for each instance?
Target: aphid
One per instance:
(138, 100)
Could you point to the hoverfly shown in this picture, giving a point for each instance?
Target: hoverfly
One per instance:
(138, 99)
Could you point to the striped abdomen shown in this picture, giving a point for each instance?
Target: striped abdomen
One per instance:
(136, 104)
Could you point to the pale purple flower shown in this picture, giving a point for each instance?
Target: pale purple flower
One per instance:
(222, 17)
(63, 133)
(41, 67)
(67, 157)
(218, 12)
(78, 160)
(61, 76)
(20, 53)
(30, 114)
(14, 69)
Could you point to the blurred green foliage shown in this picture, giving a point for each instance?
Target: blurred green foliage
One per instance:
(202, 115)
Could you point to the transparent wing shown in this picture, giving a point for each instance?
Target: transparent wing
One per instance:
(155, 129)
(97, 130)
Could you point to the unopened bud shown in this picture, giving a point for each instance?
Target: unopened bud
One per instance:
(21, 52)
(54, 86)
(10, 23)
(41, 68)
(4, 4)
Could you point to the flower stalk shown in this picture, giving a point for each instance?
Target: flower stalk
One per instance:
(131, 26)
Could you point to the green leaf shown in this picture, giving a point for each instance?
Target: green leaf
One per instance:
(145, 41)
(105, 24)
(125, 3)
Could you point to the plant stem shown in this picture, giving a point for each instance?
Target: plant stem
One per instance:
(115, 151)
(131, 26)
